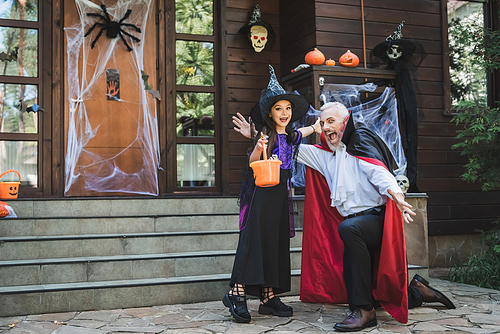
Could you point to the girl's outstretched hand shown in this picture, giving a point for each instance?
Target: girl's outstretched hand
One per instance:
(242, 126)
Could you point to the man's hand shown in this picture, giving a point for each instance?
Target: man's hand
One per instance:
(242, 126)
(403, 206)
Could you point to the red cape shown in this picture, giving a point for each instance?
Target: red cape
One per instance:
(322, 279)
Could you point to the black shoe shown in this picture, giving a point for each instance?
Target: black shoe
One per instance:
(429, 294)
(238, 307)
(275, 306)
(357, 320)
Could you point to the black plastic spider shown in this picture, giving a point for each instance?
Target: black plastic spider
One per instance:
(113, 28)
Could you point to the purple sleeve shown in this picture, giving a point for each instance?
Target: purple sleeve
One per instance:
(299, 137)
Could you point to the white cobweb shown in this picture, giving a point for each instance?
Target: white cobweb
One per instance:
(380, 115)
(96, 160)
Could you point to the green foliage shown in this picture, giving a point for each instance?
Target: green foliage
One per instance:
(194, 17)
(481, 270)
(474, 51)
(195, 105)
(467, 65)
(194, 63)
(480, 141)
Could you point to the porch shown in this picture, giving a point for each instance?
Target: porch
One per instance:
(477, 312)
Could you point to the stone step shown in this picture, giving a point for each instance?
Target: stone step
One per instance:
(86, 296)
(91, 207)
(41, 226)
(121, 267)
(63, 246)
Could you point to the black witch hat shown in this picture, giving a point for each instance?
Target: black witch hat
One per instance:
(274, 93)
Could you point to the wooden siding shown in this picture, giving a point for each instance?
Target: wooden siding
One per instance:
(333, 26)
(454, 206)
(247, 75)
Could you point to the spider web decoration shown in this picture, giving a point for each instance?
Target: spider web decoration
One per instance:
(98, 157)
(113, 28)
(380, 115)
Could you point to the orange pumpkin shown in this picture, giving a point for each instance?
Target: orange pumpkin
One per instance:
(315, 57)
(330, 62)
(349, 59)
(3, 210)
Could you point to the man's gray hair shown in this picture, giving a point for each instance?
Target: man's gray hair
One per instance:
(337, 105)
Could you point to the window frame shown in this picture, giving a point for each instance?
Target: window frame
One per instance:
(169, 89)
(45, 89)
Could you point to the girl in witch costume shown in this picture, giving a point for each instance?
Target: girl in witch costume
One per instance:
(262, 263)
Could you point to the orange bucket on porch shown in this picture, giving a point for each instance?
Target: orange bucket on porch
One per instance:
(267, 172)
(9, 189)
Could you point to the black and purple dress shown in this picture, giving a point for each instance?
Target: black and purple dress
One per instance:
(266, 226)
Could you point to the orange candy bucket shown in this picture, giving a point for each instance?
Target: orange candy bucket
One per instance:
(9, 189)
(266, 172)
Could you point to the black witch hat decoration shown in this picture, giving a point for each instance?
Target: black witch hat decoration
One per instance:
(404, 55)
(259, 32)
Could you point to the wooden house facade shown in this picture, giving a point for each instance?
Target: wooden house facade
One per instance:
(238, 74)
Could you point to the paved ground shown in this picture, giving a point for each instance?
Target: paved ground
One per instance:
(478, 311)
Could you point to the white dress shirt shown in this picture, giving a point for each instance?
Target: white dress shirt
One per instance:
(355, 185)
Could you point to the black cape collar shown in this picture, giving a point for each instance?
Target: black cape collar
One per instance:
(364, 143)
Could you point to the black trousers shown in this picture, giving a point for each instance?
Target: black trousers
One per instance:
(362, 235)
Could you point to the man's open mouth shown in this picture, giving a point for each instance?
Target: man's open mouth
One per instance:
(331, 135)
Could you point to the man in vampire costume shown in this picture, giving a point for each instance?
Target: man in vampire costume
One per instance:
(347, 233)
(364, 213)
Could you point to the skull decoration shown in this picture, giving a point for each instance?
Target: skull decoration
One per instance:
(258, 31)
(258, 37)
(403, 183)
(321, 81)
(394, 53)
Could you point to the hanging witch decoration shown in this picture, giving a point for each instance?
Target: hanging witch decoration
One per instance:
(259, 32)
(404, 56)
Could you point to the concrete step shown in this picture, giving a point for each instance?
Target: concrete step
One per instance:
(121, 267)
(53, 298)
(63, 246)
(417, 269)
(41, 226)
(91, 207)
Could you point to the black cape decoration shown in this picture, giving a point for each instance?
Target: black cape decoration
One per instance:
(363, 142)
(404, 56)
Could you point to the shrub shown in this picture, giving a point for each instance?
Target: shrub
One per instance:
(481, 270)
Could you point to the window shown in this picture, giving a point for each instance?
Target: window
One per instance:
(468, 79)
(19, 90)
(196, 98)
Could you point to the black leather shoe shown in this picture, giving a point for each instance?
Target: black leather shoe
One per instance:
(429, 294)
(357, 320)
(238, 307)
(275, 306)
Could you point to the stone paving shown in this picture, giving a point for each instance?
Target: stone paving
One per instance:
(478, 311)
